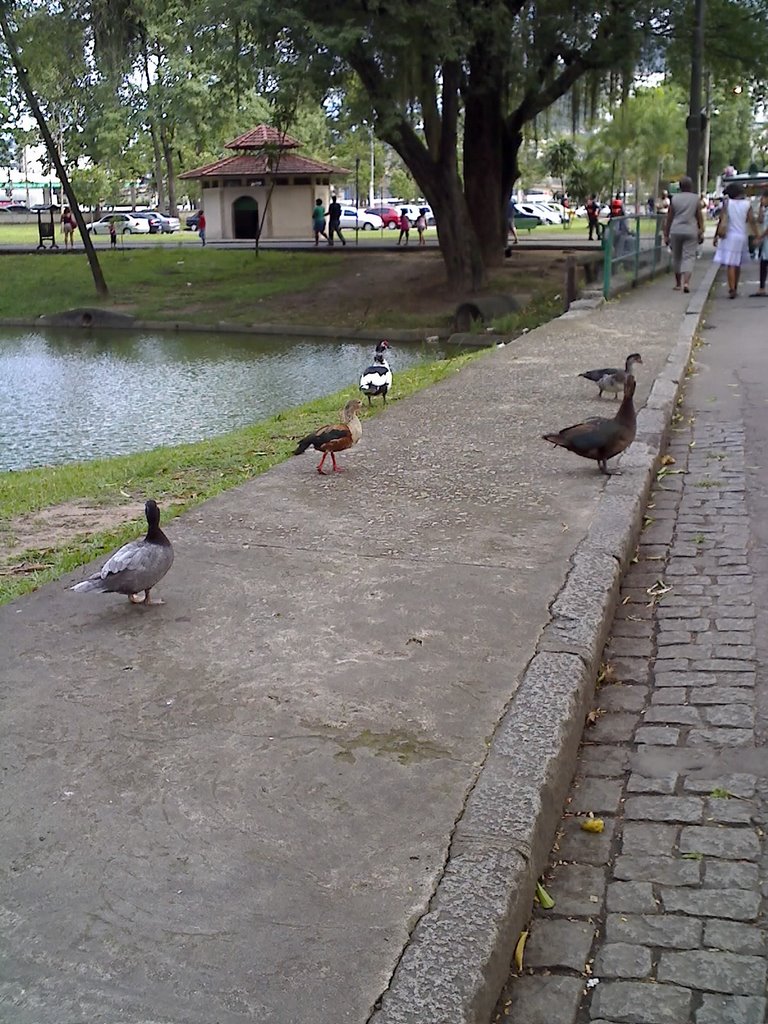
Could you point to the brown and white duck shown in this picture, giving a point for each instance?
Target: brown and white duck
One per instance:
(601, 439)
(335, 437)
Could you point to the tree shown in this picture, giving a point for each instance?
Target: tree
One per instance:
(22, 76)
(451, 86)
(560, 158)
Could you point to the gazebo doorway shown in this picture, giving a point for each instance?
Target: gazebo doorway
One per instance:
(245, 213)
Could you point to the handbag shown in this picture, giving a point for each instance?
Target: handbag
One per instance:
(722, 224)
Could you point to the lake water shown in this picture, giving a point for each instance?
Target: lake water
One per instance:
(72, 395)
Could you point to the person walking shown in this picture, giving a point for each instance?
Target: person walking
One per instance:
(318, 220)
(684, 232)
(405, 226)
(735, 225)
(593, 218)
(511, 229)
(334, 221)
(68, 228)
(201, 227)
(763, 249)
(112, 235)
(421, 226)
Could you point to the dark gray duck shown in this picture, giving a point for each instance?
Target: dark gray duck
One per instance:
(601, 439)
(611, 379)
(136, 567)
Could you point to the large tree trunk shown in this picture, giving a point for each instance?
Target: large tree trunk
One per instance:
(157, 160)
(487, 193)
(170, 171)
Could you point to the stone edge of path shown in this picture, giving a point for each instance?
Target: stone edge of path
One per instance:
(458, 955)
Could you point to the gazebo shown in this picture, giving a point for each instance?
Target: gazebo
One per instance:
(235, 188)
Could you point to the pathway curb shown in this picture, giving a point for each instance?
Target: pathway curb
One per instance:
(457, 958)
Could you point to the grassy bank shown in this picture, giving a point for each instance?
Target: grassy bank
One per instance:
(178, 478)
(159, 283)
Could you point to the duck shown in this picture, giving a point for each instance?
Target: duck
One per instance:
(376, 379)
(611, 379)
(335, 437)
(599, 438)
(135, 567)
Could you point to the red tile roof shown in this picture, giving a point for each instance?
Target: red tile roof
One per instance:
(260, 164)
(263, 135)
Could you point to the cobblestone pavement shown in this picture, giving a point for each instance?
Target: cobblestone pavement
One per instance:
(658, 919)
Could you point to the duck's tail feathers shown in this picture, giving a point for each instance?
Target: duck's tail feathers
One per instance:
(304, 443)
(553, 438)
(90, 584)
(591, 375)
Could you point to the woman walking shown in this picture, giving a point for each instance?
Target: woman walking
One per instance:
(318, 221)
(683, 232)
(736, 224)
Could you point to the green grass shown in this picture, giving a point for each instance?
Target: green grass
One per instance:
(177, 477)
(194, 284)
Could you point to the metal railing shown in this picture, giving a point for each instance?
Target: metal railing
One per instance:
(633, 250)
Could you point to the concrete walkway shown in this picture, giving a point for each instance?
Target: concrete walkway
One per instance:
(661, 919)
(237, 806)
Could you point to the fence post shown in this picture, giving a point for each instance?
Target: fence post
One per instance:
(637, 253)
(607, 258)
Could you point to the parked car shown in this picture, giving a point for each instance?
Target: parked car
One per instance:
(151, 218)
(581, 211)
(125, 224)
(44, 207)
(15, 208)
(389, 214)
(413, 210)
(352, 218)
(192, 220)
(523, 219)
(539, 210)
(158, 222)
(167, 224)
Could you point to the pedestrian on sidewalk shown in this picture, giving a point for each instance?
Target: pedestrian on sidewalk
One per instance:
(405, 226)
(421, 226)
(334, 221)
(201, 227)
(737, 222)
(68, 228)
(761, 220)
(112, 235)
(593, 218)
(511, 229)
(683, 232)
(318, 221)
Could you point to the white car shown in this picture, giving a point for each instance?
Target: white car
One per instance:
(125, 224)
(539, 210)
(581, 211)
(556, 208)
(352, 218)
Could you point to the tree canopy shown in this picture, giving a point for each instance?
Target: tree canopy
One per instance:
(143, 88)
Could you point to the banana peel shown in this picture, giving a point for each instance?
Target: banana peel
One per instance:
(520, 950)
(593, 825)
(545, 900)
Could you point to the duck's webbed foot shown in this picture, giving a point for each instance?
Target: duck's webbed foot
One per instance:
(152, 600)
